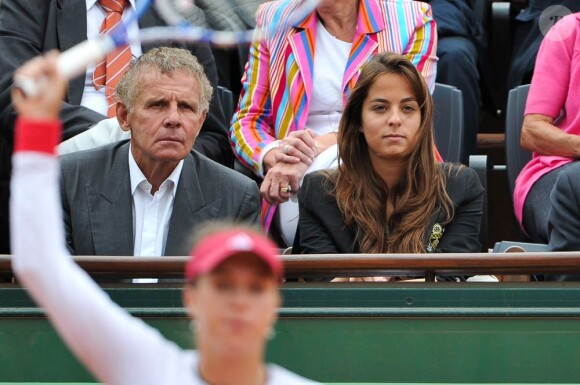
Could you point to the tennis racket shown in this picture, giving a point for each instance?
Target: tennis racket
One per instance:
(217, 22)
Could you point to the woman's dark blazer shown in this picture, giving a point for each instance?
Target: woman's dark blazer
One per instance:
(321, 228)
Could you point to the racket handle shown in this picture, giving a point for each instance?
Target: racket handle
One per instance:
(72, 62)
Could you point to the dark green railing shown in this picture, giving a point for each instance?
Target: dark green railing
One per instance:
(351, 333)
(373, 333)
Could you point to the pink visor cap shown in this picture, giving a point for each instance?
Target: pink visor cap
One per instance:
(216, 248)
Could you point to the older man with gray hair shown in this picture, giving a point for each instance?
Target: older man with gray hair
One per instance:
(144, 195)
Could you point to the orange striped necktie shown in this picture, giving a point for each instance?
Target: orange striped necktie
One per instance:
(108, 72)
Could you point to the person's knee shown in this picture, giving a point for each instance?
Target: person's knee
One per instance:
(566, 183)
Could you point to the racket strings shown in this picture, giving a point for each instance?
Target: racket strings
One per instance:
(220, 22)
(188, 22)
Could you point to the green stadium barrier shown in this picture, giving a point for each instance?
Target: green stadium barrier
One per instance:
(351, 333)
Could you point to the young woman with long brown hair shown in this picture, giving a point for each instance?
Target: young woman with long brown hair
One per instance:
(389, 194)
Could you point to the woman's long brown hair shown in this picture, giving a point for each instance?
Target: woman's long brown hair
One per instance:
(361, 193)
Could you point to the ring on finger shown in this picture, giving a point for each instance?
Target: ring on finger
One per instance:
(287, 189)
(286, 148)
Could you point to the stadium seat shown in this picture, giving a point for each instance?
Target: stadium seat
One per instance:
(227, 100)
(448, 122)
(480, 164)
(520, 247)
(516, 156)
(481, 9)
(501, 50)
(503, 246)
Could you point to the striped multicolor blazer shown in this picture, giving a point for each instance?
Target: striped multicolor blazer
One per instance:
(277, 83)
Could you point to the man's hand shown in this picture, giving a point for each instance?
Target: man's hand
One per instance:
(279, 178)
(46, 103)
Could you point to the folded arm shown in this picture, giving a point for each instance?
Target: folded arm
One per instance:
(549, 90)
(539, 134)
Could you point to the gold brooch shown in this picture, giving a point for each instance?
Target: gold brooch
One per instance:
(436, 234)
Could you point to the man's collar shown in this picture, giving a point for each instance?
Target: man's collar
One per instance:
(137, 177)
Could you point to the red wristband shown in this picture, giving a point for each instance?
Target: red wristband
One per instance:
(37, 135)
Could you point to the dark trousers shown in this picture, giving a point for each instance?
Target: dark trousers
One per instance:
(537, 206)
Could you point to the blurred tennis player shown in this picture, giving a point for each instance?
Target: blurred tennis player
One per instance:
(233, 277)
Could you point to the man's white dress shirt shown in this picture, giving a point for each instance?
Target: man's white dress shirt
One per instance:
(151, 212)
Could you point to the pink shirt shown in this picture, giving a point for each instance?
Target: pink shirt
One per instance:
(555, 92)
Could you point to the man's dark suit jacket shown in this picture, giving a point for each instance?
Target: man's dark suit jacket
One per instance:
(31, 27)
(564, 218)
(321, 228)
(98, 206)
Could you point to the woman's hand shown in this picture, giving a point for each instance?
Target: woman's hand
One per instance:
(274, 188)
(286, 165)
(298, 146)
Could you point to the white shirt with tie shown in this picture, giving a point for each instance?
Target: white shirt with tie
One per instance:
(93, 99)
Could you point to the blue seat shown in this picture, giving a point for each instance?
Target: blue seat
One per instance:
(226, 98)
(448, 122)
(516, 156)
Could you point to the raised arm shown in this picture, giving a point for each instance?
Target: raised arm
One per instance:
(117, 348)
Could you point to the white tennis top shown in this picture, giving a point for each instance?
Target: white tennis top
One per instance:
(116, 347)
